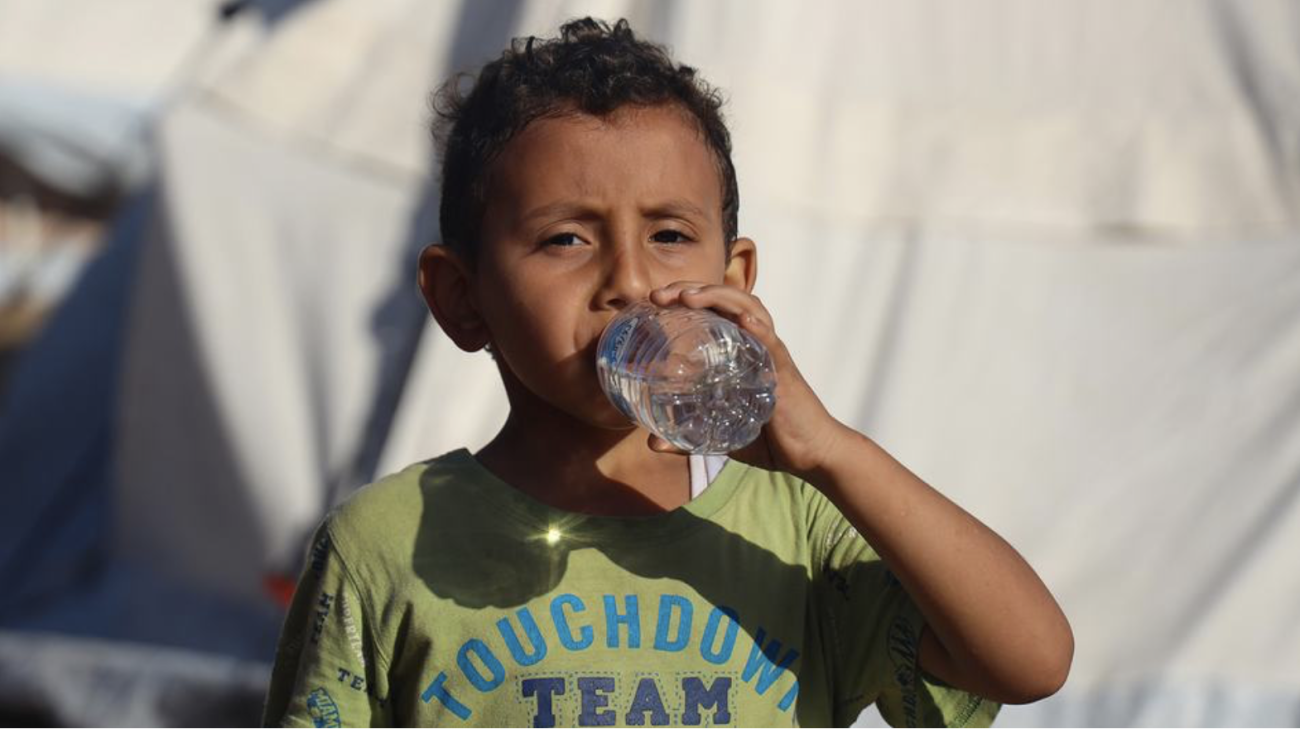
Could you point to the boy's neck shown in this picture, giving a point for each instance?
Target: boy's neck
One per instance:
(596, 471)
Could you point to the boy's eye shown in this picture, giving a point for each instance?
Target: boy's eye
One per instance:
(562, 239)
(670, 236)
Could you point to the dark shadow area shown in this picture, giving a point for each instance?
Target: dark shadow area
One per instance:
(56, 429)
(468, 552)
(30, 716)
(63, 217)
(16, 180)
(77, 556)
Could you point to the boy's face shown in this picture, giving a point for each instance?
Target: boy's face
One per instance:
(583, 217)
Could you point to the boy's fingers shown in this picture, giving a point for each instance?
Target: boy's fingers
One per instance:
(741, 307)
(670, 293)
(727, 300)
(679, 285)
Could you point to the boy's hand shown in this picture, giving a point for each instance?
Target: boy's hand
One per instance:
(801, 434)
(992, 627)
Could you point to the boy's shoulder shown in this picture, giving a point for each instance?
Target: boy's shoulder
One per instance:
(390, 511)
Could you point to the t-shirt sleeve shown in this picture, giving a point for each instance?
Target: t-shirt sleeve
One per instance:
(327, 671)
(874, 629)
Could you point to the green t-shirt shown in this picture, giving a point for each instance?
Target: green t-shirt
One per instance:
(443, 596)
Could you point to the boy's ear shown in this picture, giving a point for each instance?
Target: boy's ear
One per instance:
(742, 265)
(447, 284)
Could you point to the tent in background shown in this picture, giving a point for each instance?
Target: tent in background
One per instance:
(1054, 250)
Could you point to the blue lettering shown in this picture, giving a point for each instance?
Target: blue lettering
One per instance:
(666, 605)
(647, 699)
(323, 611)
(562, 623)
(723, 654)
(543, 689)
(320, 553)
(762, 661)
(489, 661)
(696, 697)
(788, 700)
(534, 636)
(437, 691)
(632, 619)
(595, 696)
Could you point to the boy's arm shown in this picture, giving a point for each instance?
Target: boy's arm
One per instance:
(993, 627)
(327, 670)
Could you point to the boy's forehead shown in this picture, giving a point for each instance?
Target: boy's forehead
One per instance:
(650, 155)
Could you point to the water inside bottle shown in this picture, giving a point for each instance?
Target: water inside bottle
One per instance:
(691, 377)
(714, 421)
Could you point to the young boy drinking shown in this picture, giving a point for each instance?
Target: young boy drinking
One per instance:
(579, 571)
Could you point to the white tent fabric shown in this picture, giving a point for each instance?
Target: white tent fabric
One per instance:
(1047, 254)
(71, 116)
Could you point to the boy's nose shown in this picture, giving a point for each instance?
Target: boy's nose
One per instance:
(627, 280)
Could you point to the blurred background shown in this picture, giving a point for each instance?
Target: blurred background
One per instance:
(1047, 254)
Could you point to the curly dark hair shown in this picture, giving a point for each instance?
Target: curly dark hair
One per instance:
(592, 68)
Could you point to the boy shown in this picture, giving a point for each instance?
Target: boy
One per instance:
(568, 573)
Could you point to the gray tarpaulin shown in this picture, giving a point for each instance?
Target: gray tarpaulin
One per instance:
(1048, 255)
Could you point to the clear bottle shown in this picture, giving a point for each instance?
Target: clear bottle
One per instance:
(690, 376)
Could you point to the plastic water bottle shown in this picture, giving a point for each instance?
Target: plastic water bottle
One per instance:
(690, 376)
